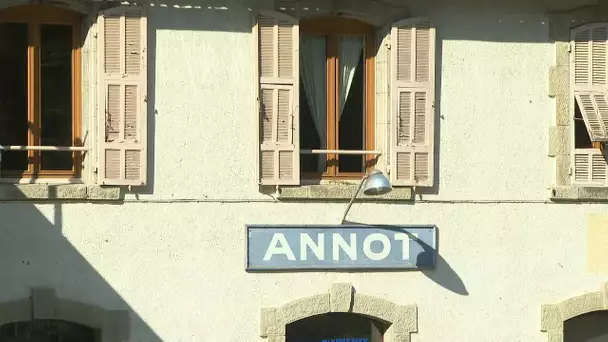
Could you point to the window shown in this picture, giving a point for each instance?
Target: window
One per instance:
(42, 330)
(41, 95)
(317, 91)
(335, 327)
(39, 90)
(337, 96)
(590, 103)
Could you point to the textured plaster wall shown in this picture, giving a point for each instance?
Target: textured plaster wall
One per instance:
(179, 267)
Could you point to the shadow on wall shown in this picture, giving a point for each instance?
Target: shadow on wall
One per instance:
(34, 253)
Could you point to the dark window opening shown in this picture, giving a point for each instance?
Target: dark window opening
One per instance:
(590, 327)
(309, 137)
(334, 327)
(581, 135)
(13, 93)
(48, 331)
(351, 132)
(56, 94)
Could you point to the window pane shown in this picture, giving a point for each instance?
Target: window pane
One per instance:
(56, 94)
(352, 123)
(313, 110)
(13, 94)
(47, 331)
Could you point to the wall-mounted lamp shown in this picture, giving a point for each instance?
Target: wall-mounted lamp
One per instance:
(373, 183)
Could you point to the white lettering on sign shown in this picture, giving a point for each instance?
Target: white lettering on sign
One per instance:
(349, 249)
(317, 248)
(384, 252)
(274, 247)
(405, 244)
(280, 246)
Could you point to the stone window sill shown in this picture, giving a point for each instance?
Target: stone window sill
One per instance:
(577, 193)
(68, 192)
(340, 193)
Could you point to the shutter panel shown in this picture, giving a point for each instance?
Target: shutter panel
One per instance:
(122, 96)
(278, 99)
(413, 103)
(590, 167)
(590, 77)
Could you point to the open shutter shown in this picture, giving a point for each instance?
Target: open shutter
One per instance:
(590, 167)
(278, 99)
(413, 103)
(590, 77)
(122, 96)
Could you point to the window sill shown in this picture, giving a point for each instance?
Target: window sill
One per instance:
(48, 192)
(340, 193)
(579, 193)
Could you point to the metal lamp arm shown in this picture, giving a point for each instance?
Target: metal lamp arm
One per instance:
(353, 198)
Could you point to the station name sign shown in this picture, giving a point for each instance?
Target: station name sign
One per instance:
(334, 247)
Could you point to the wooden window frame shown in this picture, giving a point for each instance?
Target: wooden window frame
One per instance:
(332, 28)
(34, 16)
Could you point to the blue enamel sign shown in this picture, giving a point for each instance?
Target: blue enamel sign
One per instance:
(295, 247)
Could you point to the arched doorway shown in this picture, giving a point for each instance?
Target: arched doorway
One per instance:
(46, 330)
(334, 327)
(589, 327)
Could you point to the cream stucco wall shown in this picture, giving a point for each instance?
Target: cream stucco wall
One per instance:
(175, 256)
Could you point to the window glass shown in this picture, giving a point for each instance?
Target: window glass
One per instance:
(335, 327)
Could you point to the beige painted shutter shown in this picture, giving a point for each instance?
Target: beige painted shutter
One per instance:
(122, 96)
(590, 77)
(278, 99)
(413, 103)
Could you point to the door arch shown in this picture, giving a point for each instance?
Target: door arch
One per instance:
(395, 322)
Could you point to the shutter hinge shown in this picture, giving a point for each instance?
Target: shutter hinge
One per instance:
(96, 170)
(388, 45)
(569, 170)
(570, 47)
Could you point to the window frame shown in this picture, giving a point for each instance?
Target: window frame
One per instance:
(332, 27)
(34, 16)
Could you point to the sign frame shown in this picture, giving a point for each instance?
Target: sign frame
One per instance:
(362, 268)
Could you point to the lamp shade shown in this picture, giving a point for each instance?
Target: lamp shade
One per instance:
(376, 184)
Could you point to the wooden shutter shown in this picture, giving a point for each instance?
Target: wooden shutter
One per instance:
(278, 99)
(590, 167)
(413, 103)
(590, 77)
(122, 96)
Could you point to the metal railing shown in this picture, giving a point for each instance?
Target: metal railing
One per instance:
(39, 148)
(351, 152)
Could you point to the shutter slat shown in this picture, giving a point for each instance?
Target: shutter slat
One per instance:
(420, 112)
(423, 54)
(404, 165)
(581, 57)
(413, 113)
(404, 117)
(131, 111)
(266, 42)
(266, 115)
(598, 169)
(594, 109)
(132, 44)
(283, 117)
(285, 42)
(112, 45)
(279, 153)
(598, 55)
(113, 113)
(404, 54)
(122, 96)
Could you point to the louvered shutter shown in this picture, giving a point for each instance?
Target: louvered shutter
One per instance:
(590, 167)
(122, 96)
(413, 103)
(278, 99)
(590, 77)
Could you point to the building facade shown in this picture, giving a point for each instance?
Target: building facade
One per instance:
(142, 141)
